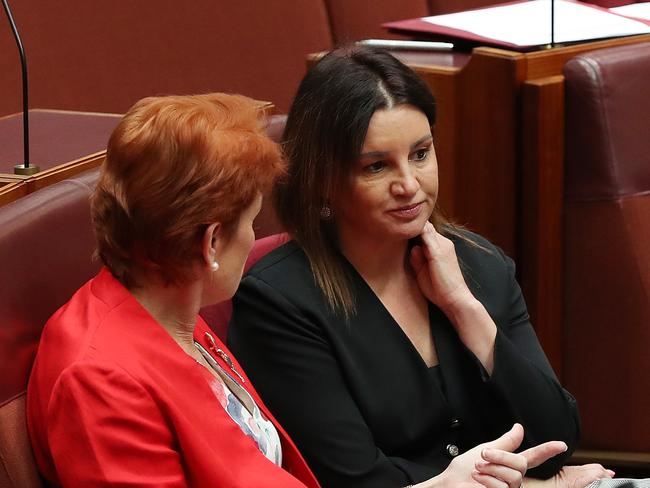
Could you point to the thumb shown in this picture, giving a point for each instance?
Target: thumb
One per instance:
(416, 258)
(508, 441)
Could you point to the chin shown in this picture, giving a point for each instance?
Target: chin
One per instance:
(407, 231)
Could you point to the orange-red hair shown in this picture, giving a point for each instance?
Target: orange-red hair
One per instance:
(175, 165)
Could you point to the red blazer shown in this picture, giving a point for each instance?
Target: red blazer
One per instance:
(113, 400)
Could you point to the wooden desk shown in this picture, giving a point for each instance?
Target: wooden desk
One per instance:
(499, 140)
(62, 143)
(11, 191)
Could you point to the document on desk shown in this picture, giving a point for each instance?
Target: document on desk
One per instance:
(528, 24)
(638, 10)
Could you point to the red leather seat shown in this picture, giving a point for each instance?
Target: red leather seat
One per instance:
(46, 245)
(606, 354)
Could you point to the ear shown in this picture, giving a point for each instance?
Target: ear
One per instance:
(209, 243)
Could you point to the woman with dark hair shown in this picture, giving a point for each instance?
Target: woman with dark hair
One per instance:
(386, 339)
(130, 387)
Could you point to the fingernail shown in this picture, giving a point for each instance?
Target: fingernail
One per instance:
(486, 452)
(480, 464)
(611, 473)
(566, 448)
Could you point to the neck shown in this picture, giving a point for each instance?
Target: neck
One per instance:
(174, 307)
(376, 260)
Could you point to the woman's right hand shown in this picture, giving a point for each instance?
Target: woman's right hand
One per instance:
(494, 464)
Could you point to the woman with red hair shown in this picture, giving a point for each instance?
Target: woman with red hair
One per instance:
(130, 386)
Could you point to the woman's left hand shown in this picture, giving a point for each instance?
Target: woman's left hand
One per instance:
(580, 476)
(437, 270)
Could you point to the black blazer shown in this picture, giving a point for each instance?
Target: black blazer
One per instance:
(357, 398)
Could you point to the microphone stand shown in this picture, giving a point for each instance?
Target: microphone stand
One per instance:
(552, 23)
(25, 168)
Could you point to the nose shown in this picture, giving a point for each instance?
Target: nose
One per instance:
(406, 182)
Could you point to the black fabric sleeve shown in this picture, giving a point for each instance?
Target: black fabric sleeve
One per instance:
(286, 354)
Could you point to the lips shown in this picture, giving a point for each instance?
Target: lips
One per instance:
(407, 212)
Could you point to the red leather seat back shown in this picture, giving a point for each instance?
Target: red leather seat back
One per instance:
(606, 339)
(362, 19)
(267, 223)
(46, 244)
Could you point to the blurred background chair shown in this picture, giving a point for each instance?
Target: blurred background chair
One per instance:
(606, 314)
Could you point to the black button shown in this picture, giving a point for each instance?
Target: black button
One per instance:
(455, 423)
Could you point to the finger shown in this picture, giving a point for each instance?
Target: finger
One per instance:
(597, 470)
(504, 458)
(587, 479)
(512, 475)
(489, 481)
(538, 454)
(508, 441)
(429, 238)
(597, 466)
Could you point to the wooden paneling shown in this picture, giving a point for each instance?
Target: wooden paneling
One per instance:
(541, 203)
(12, 191)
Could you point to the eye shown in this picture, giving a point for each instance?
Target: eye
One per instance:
(375, 167)
(420, 154)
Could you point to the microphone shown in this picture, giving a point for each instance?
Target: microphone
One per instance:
(25, 168)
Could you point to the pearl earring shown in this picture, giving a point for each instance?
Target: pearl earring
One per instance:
(214, 266)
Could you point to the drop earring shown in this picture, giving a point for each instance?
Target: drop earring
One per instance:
(326, 212)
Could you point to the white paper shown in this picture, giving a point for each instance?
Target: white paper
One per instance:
(529, 23)
(639, 10)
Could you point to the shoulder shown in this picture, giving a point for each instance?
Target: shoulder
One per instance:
(285, 269)
(477, 252)
(103, 329)
(489, 273)
(288, 256)
(281, 280)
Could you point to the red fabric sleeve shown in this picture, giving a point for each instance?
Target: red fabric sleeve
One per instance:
(105, 429)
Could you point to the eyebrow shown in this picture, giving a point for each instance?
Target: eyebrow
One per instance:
(375, 154)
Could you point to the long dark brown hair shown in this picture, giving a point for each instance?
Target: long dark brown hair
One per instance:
(325, 131)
